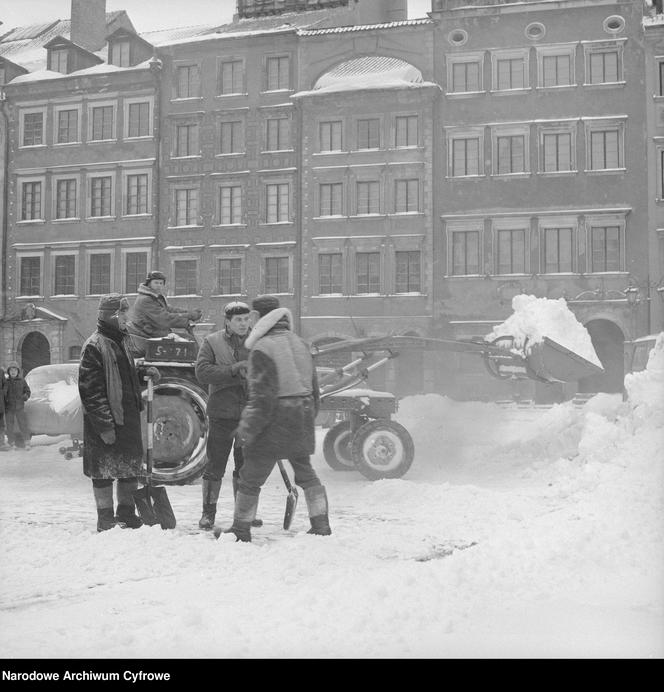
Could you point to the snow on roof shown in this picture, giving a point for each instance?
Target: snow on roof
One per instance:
(364, 27)
(162, 37)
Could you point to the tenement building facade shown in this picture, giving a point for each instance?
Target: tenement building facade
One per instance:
(381, 174)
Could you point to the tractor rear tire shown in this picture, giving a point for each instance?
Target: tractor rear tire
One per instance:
(382, 448)
(337, 447)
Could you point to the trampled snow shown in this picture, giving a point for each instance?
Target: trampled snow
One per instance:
(517, 532)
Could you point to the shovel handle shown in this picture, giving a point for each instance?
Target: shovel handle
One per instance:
(284, 475)
(150, 426)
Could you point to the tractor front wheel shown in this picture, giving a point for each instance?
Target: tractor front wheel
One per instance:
(336, 447)
(382, 448)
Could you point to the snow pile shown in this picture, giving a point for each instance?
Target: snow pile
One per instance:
(645, 389)
(534, 318)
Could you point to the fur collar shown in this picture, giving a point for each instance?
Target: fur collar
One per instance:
(265, 323)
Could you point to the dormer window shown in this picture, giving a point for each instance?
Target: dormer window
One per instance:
(59, 60)
(120, 52)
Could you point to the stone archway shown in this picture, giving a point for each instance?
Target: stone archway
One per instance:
(35, 351)
(608, 341)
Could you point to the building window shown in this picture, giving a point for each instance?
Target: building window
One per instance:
(405, 131)
(137, 194)
(67, 126)
(277, 134)
(31, 201)
(558, 243)
(229, 276)
(58, 60)
(465, 156)
(408, 276)
(231, 139)
(100, 273)
(329, 273)
(276, 275)
(510, 73)
(277, 207)
(74, 352)
(185, 273)
(30, 282)
(605, 149)
(605, 248)
(660, 82)
(368, 197)
(186, 140)
(230, 77)
(511, 251)
(331, 199)
(367, 272)
(186, 207)
(136, 268)
(138, 116)
(368, 133)
(603, 66)
(101, 196)
(65, 198)
(230, 204)
(187, 81)
(330, 136)
(33, 129)
(465, 253)
(556, 70)
(64, 270)
(277, 73)
(510, 154)
(102, 122)
(120, 53)
(557, 153)
(465, 76)
(406, 196)
(661, 174)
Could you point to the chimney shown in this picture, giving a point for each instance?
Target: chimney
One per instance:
(88, 23)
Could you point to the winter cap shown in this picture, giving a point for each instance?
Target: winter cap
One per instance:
(237, 307)
(113, 302)
(156, 274)
(265, 304)
(13, 364)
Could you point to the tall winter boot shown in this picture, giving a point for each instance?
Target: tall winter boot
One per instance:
(316, 499)
(104, 501)
(125, 514)
(244, 514)
(211, 489)
(256, 522)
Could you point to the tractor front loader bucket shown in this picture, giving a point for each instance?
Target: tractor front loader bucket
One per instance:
(551, 362)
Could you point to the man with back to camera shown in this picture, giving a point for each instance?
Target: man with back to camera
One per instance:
(222, 366)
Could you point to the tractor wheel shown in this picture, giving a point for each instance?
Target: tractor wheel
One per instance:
(382, 448)
(180, 431)
(336, 447)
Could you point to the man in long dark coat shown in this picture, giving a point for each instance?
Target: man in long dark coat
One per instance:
(110, 391)
(278, 421)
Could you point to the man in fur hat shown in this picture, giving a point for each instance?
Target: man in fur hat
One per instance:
(151, 316)
(278, 421)
(221, 365)
(110, 391)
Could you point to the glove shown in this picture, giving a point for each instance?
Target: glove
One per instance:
(195, 315)
(108, 436)
(152, 373)
(240, 368)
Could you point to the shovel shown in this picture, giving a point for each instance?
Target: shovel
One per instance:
(152, 502)
(291, 500)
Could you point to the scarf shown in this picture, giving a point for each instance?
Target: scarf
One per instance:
(111, 371)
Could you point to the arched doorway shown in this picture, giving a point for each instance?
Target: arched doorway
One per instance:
(35, 351)
(608, 341)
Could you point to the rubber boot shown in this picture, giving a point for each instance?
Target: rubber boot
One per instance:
(316, 499)
(211, 489)
(244, 514)
(125, 514)
(256, 522)
(104, 502)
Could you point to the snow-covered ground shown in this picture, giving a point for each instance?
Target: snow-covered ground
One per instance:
(518, 532)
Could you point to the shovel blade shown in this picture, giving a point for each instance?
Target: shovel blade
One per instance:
(162, 507)
(144, 506)
(291, 504)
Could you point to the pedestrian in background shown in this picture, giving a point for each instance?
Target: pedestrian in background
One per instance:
(221, 366)
(110, 391)
(278, 421)
(17, 392)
